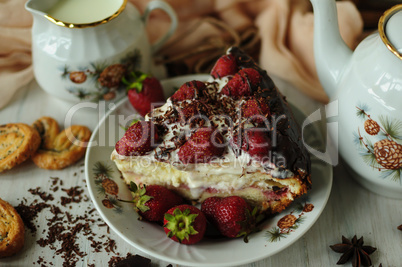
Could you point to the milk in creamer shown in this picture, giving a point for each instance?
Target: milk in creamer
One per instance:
(84, 11)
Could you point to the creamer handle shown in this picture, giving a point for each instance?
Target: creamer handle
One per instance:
(173, 24)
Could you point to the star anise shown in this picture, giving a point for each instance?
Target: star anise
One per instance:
(354, 249)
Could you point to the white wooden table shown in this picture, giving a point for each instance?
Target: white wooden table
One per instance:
(350, 210)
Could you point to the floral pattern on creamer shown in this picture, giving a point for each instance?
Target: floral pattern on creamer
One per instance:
(378, 140)
(104, 77)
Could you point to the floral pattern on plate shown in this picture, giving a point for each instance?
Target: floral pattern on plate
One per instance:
(106, 186)
(290, 222)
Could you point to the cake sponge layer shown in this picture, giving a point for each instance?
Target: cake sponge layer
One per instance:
(199, 181)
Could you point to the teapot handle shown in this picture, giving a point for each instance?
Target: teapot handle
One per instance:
(156, 4)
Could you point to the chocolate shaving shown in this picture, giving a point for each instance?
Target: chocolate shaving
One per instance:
(45, 197)
(64, 228)
(132, 260)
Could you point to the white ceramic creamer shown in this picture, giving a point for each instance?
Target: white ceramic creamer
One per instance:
(82, 49)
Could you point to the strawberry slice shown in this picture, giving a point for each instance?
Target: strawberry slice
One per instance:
(203, 145)
(226, 65)
(192, 111)
(233, 216)
(189, 90)
(144, 92)
(255, 109)
(255, 141)
(140, 138)
(185, 224)
(153, 201)
(242, 84)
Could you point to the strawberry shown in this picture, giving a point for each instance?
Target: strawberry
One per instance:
(185, 224)
(224, 66)
(140, 138)
(204, 144)
(193, 110)
(233, 216)
(189, 90)
(153, 201)
(256, 109)
(255, 141)
(243, 83)
(143, 91)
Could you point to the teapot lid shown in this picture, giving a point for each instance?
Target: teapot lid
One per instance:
(389, 27)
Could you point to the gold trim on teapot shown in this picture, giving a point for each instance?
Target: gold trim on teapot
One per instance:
(381, 29)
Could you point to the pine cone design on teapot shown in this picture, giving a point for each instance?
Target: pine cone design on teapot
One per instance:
(388, 154)
(380, 144)
(371, 127)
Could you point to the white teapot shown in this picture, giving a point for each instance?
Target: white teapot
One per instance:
(367, 84)
(82, 48)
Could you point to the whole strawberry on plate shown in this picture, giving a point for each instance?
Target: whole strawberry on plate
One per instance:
(153, 201)
(144, 92)
(185, 224)
(233, 216)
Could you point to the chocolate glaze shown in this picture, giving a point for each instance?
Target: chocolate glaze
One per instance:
(289, 143)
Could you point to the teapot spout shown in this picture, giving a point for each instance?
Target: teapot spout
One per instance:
(330, 51)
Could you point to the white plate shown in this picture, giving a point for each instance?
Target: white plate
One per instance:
(151, 239)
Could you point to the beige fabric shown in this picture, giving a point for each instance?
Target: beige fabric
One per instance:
(285, 28)
(15, 48)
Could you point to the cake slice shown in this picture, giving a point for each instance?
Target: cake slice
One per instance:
(232, 135)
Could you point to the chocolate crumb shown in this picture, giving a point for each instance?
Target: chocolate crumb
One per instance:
(45, 197)
(64, 227)
(400, 227)
(74, 194)
(135, 260)
(29, 213)
(114, 259)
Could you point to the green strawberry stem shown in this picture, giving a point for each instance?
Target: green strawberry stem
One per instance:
(131, 124)
(180, 224)
(135, 80)
(139, 197)
(249, 225)
(125, 201)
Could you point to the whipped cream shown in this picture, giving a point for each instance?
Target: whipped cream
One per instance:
(232, 162)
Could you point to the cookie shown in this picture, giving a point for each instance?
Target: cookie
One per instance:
(18, 142)
(48, 129)
(12, 231)
(59, 149)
